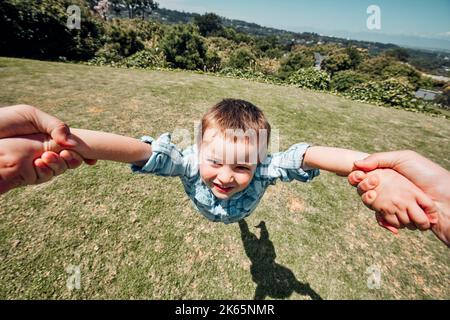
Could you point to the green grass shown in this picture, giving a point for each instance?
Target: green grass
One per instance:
(136, 236)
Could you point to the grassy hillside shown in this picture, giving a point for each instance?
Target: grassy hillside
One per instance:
(137, 236)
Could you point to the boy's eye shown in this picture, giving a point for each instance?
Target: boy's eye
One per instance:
(243, 168)
(214, 162)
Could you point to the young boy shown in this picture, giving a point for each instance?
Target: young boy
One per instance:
(227, 171)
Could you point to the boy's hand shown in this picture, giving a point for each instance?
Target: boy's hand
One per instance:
(397, 201)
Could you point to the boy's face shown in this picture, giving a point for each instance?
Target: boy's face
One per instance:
(226, 166)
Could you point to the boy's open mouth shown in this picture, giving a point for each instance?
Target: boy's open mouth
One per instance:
(222, 188)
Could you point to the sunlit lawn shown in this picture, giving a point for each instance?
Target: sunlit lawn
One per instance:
(136, 236)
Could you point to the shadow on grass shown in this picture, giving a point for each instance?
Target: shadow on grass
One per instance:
(272, 280)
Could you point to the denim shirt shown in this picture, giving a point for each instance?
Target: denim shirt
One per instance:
(167, 160)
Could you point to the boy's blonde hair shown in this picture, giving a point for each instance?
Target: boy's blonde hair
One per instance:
(235, 114)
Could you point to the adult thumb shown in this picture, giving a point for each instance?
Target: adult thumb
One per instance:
(56, 128)
(377, 160)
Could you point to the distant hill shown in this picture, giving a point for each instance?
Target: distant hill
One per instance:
(174, 16)
(433, 62)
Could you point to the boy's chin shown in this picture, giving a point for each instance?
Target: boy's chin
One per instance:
(223, 196)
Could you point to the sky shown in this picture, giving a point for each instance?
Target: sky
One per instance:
(405, 22)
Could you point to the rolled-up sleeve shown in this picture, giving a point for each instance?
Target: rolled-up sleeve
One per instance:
(166, 159)
(287, 166)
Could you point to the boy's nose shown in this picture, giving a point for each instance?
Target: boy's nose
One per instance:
(225, 175)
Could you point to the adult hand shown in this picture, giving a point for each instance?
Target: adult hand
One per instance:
(25, 120)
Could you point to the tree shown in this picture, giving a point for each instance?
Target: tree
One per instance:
(400, 54)
(38, 29)
(337, 61)
(354, 56)
(444, 97)
(102, 8)
(209, 24)
(242, 58)
(184, 47)
(135, 7)
(294, 62)
(344, 80)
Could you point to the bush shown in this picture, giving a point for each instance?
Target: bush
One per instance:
(398, 69)
(375, 65)
(249, 75)
(212, 61)
(444, 98)
(337, 62)
(294, 62)
(123, 37)
(147, 58)
(344, 80)
(310, 78)
(242, 58)
(274, 53)
(393, 92)
(184, 48)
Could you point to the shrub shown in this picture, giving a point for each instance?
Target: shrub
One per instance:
(184, 48)
(310, 78)
(212, 61)
(242, 58)
(393, 92)
(250, 75)
(147, 58)
(398, 69)
(123, 37)
(344, 80)
(337, 62)
(444, 98)
(294, 62)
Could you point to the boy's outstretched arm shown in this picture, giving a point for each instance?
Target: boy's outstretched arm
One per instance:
(337, 160)
(108, 146)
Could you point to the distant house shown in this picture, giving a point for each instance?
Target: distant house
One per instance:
(426, 94)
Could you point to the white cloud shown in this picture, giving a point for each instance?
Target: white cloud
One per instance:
(444, 34)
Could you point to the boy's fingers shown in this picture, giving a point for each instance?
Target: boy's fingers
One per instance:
(90, 162)
(73, 160)
(429, 207)
(418, 217)
(392, 220)
(384, 224)
(356, 177)
(369, 198)
(54, 162)
(368, 184)
(43, 172)
(403, 218)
